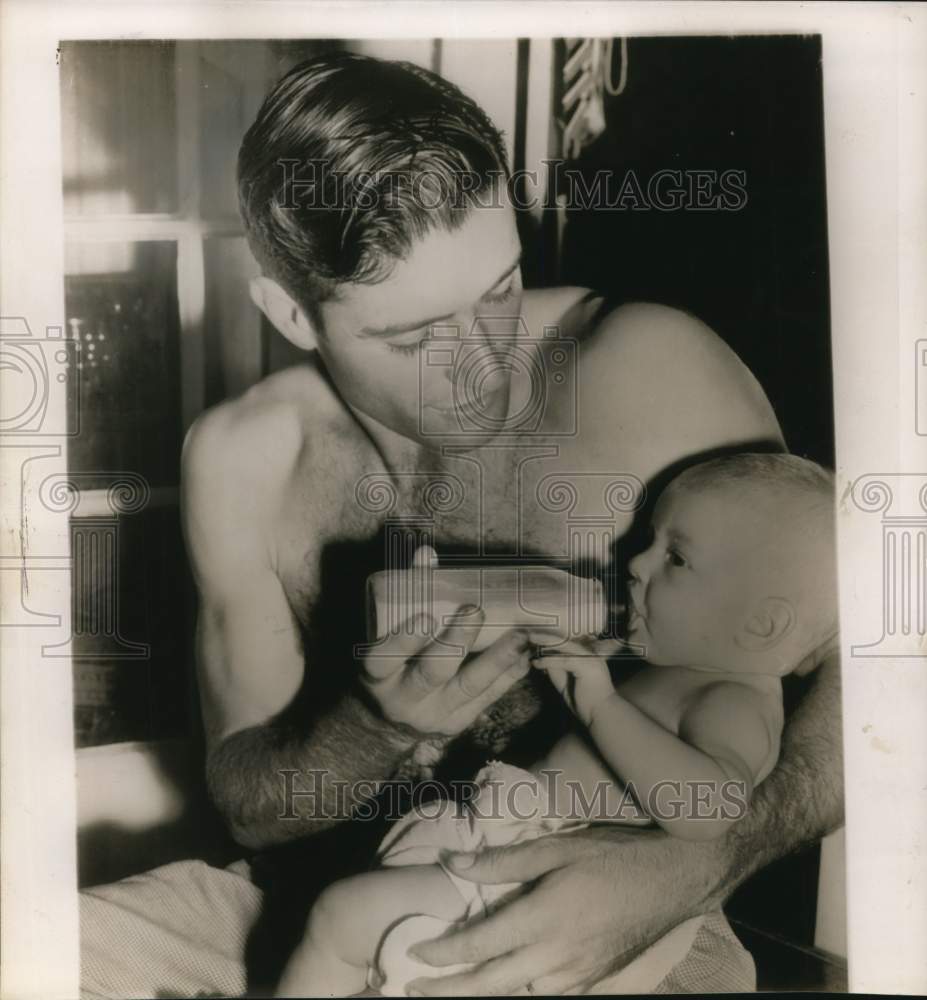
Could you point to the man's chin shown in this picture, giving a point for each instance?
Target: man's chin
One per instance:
(458, 426)
(461, 440)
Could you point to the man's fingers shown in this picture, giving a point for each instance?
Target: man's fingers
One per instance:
(501, 932)
(439, 661)
(467, 709)
(516, 863)
(390, 655)
(569, 982)
(505, 976)
(475, 677)
(515, 672)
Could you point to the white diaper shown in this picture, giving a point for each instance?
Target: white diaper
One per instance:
(510, 806)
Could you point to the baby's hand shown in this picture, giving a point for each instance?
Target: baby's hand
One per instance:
(578, 670)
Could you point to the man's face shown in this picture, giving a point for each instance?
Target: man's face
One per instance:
(693, 589)
(410, 351)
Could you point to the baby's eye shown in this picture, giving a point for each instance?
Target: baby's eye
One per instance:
(675, 558)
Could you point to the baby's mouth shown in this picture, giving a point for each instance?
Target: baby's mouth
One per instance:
(623, 617)
(635, 615)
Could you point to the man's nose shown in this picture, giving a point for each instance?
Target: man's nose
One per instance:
(477, 329)
(475, 348)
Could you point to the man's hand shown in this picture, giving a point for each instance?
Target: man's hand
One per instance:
(601, 896)
(418, 681)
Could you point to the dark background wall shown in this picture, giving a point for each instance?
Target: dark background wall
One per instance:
(758, 276)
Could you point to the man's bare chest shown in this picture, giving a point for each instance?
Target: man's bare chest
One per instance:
(498, 504)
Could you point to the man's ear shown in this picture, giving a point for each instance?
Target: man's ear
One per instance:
(767, 625)
(283, 312)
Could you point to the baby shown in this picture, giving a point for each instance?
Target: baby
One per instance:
(736, 589)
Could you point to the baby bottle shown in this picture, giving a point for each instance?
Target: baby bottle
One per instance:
(509, 596)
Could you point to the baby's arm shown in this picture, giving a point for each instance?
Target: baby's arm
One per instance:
(694, 784)
(349, 920)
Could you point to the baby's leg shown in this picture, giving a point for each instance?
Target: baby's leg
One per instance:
(349, 920)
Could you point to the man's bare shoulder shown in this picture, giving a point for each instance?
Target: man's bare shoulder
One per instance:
(669, 362)
(253, 444)
(568, 308)
(652, 329)
(633, 328)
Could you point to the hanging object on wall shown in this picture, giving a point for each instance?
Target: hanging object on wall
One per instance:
(589, 75)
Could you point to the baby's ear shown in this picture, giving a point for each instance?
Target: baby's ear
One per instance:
(767, 625)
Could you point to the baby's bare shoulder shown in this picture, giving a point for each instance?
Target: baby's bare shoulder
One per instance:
(745, 713)
(742, 717)
(762, 695)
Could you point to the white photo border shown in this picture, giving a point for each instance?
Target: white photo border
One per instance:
(875, 98)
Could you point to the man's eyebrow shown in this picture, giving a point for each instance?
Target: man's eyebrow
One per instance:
(392, 331)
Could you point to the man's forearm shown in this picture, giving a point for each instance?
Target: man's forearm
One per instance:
(802, 800)
(273, 784)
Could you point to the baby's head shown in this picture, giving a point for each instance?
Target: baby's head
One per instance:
(741, 572)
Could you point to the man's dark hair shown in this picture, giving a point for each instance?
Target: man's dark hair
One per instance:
(351, 160)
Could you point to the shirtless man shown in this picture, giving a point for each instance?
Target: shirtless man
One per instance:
(275, 507)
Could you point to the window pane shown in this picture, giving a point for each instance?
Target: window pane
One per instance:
(235, 77)
(121, 306)
(113, 164)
